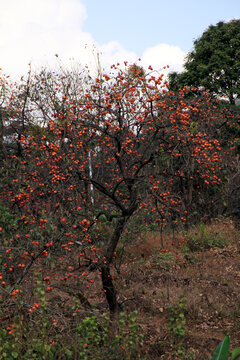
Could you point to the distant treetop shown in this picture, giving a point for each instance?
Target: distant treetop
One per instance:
(214, 63)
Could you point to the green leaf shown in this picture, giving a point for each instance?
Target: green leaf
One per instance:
(68, 353)
(222, 351)
(14, 354)
(236, 354)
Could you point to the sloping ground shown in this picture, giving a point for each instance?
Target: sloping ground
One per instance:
(189, 282)
(202, 267)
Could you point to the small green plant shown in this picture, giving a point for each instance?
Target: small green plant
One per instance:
(163, 259)
(177, 324)
(94, 342)
(32, 334)
(222, 351)
(204, 240)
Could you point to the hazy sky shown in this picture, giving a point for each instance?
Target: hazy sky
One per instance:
(159, 32)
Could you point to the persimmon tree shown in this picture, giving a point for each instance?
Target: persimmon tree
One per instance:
(118, 146)
(192, 174)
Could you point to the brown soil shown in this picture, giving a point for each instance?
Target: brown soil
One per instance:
(208, 279)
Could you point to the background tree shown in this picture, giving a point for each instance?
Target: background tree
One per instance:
(214, 62)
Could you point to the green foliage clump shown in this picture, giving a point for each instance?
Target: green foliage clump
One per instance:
(94, 342)
(204, 240)
(177, 324)
(91, 338)
(214, 61)
(164, 259)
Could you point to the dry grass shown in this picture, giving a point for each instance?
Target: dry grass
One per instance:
(209, 279)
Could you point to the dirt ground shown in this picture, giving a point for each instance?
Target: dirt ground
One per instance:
(207, 276)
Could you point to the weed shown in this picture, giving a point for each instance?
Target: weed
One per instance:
(90, 339)
(163, 259)
(204, 240)
(177, 325)
(94, 342)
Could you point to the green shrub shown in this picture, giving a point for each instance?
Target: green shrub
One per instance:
(90, 339)
(94, 341)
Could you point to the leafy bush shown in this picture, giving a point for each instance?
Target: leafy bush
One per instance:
(94, 342)
(91, 340)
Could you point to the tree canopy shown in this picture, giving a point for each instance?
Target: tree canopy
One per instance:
(214, 62)
(95, 156)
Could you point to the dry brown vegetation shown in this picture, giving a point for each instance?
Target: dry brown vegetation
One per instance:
(208, 278)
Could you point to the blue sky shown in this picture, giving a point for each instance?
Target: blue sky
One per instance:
(159, 32)
(139, 24)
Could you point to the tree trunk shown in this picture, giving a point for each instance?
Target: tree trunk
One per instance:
(115, 238)
(109, 290)
(107, 282)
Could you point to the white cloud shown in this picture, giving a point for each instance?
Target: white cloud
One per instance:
(48, 13)
(35, 30)
(162, 55)
(114, 52)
